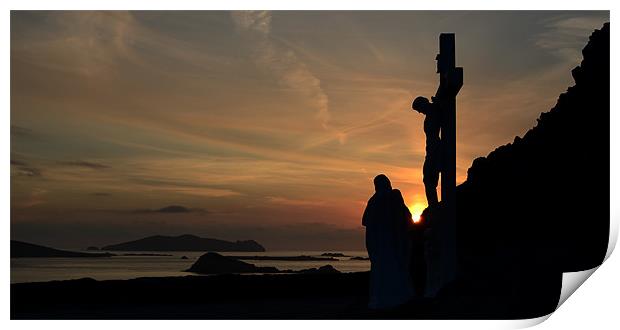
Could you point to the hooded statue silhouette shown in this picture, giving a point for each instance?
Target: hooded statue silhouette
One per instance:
(387, 220)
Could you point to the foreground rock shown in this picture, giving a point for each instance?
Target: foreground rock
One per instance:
(285, 258)
(146, 255)
(213, 263)
(334, 254)
(29, 250)
(327, 269)
(539, 207)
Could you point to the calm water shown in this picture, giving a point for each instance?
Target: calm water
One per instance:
(127, 267)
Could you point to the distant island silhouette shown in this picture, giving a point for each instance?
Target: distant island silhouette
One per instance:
(28, 250)
(185, 243)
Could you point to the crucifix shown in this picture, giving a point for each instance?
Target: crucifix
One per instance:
(440, 130)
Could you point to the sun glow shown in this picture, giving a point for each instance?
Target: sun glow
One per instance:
(416, 210)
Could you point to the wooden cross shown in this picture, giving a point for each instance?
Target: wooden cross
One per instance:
(450, 83)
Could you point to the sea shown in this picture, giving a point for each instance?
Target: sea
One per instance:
(127, 267)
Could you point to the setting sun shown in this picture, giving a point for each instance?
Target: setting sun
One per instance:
(416, 210)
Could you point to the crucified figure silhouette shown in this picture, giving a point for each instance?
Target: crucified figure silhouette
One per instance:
(432, 161)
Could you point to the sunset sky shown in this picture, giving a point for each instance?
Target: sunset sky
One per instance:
(261, 125)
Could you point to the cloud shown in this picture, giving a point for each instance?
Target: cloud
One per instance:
(85, 164)
(22, 169)
(252, 20)
(172, 209)
(35, 198)
(290, 71)
(18, 131)
(184, 186)
(17, 163)
(88, 43)
(294, 202)
(28, 171)
(101, 194)
(565, 37)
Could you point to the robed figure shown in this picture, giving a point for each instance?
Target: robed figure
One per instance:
(387, 220)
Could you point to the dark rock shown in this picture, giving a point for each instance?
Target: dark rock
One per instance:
(333, 254)
(285, 258)
(214, 263)
(184, 257)
(539, 206)
(146, 255)
(327, 269)
(92, 248)
(359, 258)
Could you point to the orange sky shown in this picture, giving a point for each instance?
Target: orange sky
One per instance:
(263, 125)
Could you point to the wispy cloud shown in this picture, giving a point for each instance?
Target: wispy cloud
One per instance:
(172, 209)
(182, 185)
(282, 62)
(17, 163)
(34, 198)
(294, 202)
(85, 164)
(101, 194)
(28, 171)
(18, 131)
(88, 44)
(23, 169)
(565, 37)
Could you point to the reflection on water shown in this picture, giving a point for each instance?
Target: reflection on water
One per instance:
(127, 267)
